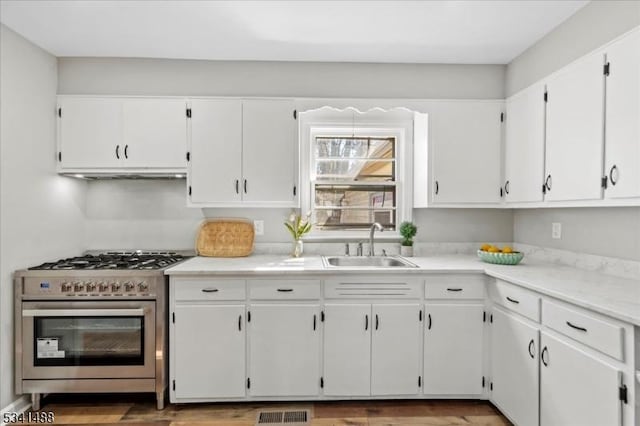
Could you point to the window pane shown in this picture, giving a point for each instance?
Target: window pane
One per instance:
(355, 158)
(351, 206)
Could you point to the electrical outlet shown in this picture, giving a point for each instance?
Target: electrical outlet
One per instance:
(556, 230)
(258, 226)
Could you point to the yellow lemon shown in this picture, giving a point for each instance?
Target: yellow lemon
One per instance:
(485, 247)
(507, 249)
(493, 249)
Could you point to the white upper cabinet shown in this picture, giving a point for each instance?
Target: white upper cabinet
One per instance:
(575, 124)
(465, 138)
(89, 133)
(622, 134)
(125, 135)
(214, 170)
(524, 146)
(242, 153)
(154, 133)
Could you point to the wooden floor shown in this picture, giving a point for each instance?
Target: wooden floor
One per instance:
(107, 410)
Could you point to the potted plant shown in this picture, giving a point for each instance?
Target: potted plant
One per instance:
(298, 226)
(408, 230)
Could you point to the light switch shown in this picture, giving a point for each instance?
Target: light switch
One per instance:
(556, 230)
(258, 226)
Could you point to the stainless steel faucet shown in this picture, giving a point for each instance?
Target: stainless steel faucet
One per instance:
(372, 231)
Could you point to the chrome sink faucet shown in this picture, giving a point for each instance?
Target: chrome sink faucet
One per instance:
(375, 226)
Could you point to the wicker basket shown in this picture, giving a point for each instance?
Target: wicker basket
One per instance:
(501, 258)
(225, 238)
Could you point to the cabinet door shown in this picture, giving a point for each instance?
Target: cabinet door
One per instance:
(90, 133)
(466, 138)
(155, 133)
(524, 156)
(209, 351)
(347, 350)
(453, 349)
(575, 131)
(514, 368)
(395, 349)
(216, 151)
(284, 354)
(269, 152)
(576, 388)
(622, 137)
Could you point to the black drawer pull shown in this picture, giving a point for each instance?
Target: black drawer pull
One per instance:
(454, 289)
(576, 327)
(285, 290)
(429, 318)
(531, 349)
(545, 350)
(237, 186)
(315, 317)
(118, 152)
(513, 300)
(377, 322)
(239, 322)
(209, 290)
(366, 322)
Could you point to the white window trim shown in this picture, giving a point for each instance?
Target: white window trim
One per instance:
(401, 130)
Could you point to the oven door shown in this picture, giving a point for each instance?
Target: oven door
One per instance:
(88, 340)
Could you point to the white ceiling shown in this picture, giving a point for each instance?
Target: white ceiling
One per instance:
(479, 32)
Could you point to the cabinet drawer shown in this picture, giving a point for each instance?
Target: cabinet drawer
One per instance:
(280, 289)
(601, 335)
(373, 288)
(454, 287)
(517, 299)
(208, 289)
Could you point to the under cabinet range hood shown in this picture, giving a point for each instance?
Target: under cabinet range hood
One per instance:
(121, 174)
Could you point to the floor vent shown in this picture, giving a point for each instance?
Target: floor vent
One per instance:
(289, 418)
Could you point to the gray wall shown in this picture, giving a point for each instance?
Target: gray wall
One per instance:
(127, 214)
(40, 210)
(602, 231)
(589, 28)
(124, 76)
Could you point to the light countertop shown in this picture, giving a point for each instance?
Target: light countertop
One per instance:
(606, 294)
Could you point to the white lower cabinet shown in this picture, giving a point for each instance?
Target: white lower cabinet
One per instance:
(284, 349)
(453, 355)
(576, 388)
(347, 350)
(514, 367)
(395, 349)
(208, 350)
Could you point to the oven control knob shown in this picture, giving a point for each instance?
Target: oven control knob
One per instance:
(90, 286)
(102, 286)
(129, 286)
(78, 287)
(115, 287)
(65, 287)
(142, 286)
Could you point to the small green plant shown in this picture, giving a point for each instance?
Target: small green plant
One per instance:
(408, 230)
(297, 225)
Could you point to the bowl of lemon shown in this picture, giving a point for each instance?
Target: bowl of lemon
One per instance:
(505, 256)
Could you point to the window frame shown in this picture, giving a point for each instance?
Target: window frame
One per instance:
(399, 129)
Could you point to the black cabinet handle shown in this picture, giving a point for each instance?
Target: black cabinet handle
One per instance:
(548, 182)
(545, 350)
(506, 187)
(237, 186)
(209, 290)
(118, 152)
(366, 322)
(245, 186)
(437, 188)
(613, 169)
(239, 322)
(454, 289)
(531, 349)
(315, 319)
(285, 290)
(429, 324)
(377, 322)
(576, 327)
(126, 148)
(513, 300)
(501, 192)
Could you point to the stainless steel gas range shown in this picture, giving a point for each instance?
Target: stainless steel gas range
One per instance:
(94, 323)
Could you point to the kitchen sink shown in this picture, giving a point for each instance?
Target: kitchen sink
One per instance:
(366, 262)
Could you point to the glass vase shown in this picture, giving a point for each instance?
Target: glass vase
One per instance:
(298, 248)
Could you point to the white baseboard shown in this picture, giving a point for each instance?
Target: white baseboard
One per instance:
(20, 405)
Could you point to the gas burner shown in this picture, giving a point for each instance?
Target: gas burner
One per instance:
(131, 260)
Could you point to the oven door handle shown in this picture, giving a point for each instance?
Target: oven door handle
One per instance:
(82, 312)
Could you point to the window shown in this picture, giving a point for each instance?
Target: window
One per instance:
(354, 182)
